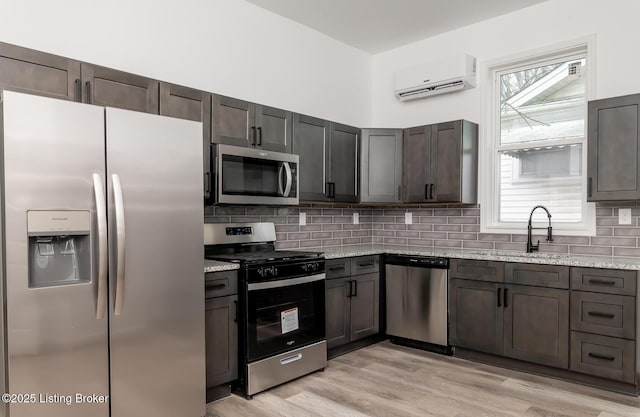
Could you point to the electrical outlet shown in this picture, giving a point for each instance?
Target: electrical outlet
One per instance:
(302, 219)
(624, 216)
(408, 218)
(356, 218)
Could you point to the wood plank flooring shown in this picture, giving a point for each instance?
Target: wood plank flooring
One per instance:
(385, 380)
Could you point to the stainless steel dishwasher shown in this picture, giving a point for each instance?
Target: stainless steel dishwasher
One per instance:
(417, 301)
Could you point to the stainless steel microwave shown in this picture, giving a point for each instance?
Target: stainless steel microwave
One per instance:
(254, 176)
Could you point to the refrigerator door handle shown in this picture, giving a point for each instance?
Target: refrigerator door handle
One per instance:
(120, 243)
(101, 215)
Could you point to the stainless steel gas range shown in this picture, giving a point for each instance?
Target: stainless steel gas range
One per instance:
(281, 312)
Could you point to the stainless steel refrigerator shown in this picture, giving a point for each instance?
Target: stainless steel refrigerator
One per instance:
(102, 264)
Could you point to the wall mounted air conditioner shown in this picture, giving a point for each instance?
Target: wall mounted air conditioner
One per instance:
(438, 77)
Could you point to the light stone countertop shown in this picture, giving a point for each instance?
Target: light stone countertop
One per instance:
(347, 251)
(217, 266)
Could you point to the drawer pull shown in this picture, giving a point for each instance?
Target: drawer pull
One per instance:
(603, 357)
(216, 286)
(291, 359)
(601, 282)
(599, 314)
(336, 268)
(366, 265)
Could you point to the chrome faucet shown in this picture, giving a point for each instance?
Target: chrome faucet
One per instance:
(530, 246)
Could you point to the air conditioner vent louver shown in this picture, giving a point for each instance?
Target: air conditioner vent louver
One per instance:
(443, 76)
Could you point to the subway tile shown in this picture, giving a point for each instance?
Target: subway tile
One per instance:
(385, 233)
(590, 250)
(607, 231)
(341, 234)
(287, 228)
(394, 241)
(311, 211)
(229, 211)
(342, 219)
(260, 211)
(366, 219)
(287, 211)
(425, 243)
(613, 221)
(377, 240)
(614, 241)
(447, 212)
(604, 211)
(310, 243)
(361, 233)
(474, 244)
(471, 212)
(518, 247)
(319, 219)
(382, 219)
(395, 212)
(471, 228)
(399, 219)
(408, 233)
(367, 239)
(274, 219)
(626, 231)
(433, 235)
(331, 242)
(447, 243)
(495, 237)
(351, 241)
(323, 235)
(244, 219)
(281, 236)
(217, 219)
(330, 226)
(351, 226)
(420, 226)
(433, 219)
(462, 236)
(554, 248)
(311, 228)
(462, 220)
(447, 227)
(422, 212)
(627, 252)
(332, 212)
(289, 244)
(570, 240)
(299, 236)
(395, 226)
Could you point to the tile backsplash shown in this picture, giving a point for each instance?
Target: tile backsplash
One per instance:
(433, 227)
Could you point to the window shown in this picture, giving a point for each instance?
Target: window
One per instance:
(536, 142)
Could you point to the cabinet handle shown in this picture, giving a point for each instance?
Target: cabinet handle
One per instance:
(601, 282)
(426, 191)
(216, 286)
(603, 357)
(87, 86)
(355, 288)
(253, 136)
(366, 265)
(431, 192)
(336, 268)
(260, 136)
(331, 188)
(505, 297)
(235, 302)
(78, 84)
(350, 288)
(499, 297)
(207, 181)
(589, 185)
(599, 314)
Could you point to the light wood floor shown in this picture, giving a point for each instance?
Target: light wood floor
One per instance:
(388, 380)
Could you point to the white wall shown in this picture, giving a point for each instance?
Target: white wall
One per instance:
(231, 47)
(617, 37)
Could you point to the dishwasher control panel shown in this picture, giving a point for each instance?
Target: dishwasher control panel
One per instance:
(419, 261)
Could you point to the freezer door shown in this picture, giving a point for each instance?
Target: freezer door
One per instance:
(56, 342)
(154, 166)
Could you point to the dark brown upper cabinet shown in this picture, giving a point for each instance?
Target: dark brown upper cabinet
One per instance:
(381, 166)
(34, 72)
(241, 123)
(328, 159)
(441, 163)
(108, 87)
(189, 104)
(613, 149)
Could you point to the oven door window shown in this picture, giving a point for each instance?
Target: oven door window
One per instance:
(284, 318)
(257, 177)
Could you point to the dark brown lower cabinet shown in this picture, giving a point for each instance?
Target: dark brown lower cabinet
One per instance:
(221, 329)
(536, 325)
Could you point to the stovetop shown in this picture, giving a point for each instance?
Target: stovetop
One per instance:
(256, 257)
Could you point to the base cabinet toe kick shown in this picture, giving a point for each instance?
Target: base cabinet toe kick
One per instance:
(575, 323)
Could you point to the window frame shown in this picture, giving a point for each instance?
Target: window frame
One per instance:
(489, 158)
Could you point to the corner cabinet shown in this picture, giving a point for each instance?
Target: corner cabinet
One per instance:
(241, 123)
(381, 166)
(441, 163)
(613, 152)
(328, 159)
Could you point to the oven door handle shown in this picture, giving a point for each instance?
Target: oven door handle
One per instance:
(285, 282)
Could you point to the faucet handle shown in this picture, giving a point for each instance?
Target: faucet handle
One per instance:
(549, 234)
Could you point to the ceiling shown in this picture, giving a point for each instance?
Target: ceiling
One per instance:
(378, 25)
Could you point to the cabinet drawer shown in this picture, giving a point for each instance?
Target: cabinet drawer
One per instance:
(605, 314)
(608, 281)
(537, 275)
(336, 268)
(603, 356)
(365, 264)
(491, 271)
(218, 284)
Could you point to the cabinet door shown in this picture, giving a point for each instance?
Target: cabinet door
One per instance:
(365, 306)
(446, 154)
(536, 325)
(33, 72)
(221, 340)
(614, 149)
(381, 166)
(337, 311)
(190, 104)
(416, 172)
(274, 128)
(475, 315)
(111, 88)
(343, 152)
(311, 143)
(232, 121)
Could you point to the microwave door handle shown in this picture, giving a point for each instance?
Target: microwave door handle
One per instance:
(287, 170)
(280, 185)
